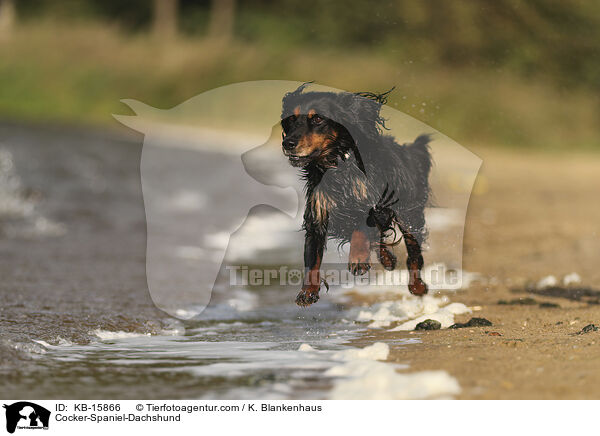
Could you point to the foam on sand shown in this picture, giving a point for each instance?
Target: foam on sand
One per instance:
(550, 281)
(445, 316)
(377, 351)
(546, 282)
(571, 279)
(361, 374)
(411, 310)
(380, 381)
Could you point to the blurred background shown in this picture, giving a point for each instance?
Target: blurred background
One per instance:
(507, 72)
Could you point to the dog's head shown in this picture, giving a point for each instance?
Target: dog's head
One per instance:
(321, 127)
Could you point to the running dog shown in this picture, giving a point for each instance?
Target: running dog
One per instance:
(361, 185)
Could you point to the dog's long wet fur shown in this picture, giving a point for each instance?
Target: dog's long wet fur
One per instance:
(361, 186)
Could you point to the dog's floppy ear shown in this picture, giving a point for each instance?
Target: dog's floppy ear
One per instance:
(359, 113)
(360, 116)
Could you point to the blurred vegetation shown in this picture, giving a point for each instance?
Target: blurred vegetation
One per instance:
(500, 72)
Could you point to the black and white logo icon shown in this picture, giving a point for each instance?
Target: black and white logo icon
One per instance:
(26, 415)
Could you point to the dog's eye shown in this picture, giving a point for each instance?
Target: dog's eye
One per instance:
(317, 119)
(286, 123)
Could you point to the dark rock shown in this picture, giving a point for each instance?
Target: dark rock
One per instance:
(588, 328)
(429, 324)
(478, 322)
(574, 293)
(549, 306)
(525, 301)
(473, 322)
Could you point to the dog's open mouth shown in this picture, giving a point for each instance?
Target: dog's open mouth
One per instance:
(296, 160)
(301, 160)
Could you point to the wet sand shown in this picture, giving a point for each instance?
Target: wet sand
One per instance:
(531, 215)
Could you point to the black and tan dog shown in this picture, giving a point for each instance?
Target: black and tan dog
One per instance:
(360, 184)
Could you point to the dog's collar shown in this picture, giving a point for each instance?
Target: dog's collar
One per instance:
(334, 164)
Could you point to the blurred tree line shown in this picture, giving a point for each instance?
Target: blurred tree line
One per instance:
(559, 39)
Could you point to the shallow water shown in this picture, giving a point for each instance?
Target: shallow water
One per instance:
(76, 317)
(213, 359)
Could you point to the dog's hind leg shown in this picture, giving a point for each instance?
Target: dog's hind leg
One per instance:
(384, 254)
(414, 261)
(382, 217)
(360, 251)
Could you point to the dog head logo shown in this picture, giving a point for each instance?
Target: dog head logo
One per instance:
(26, 415)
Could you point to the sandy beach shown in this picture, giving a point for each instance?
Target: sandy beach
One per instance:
(531, 216)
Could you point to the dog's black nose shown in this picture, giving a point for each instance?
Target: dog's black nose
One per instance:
(289, 143)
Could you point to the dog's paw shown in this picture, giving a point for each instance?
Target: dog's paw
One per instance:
(307, 296)
(387, 259)
(417, 287)
(359, 267)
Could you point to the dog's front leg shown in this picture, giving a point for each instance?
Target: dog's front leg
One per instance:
(314, 245)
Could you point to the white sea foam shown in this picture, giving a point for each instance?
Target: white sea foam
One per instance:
(186, 313)
(410, 310)
(31, 349)
(546, 282)
(377, 351)
(379, 381)
(106, 335)
(60, 342)
(361, 374)
(357, 373)
(445, 315)
(305, 347)
(405, 308)
(571, 279)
